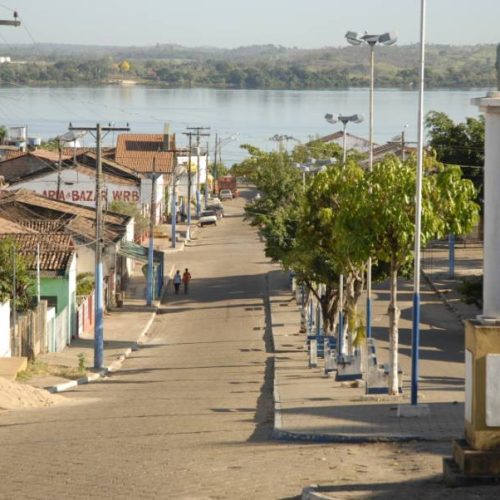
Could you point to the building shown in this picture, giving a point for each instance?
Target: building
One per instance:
(54, 256)
(145, 154)
(44, 215)
(352, 141)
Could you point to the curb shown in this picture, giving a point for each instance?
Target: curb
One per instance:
(117, 363)
(443, 297)
(113, 366)
(280, 434)
(310, 493)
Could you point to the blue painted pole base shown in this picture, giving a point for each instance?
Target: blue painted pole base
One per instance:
(415, 342)
(368, 317)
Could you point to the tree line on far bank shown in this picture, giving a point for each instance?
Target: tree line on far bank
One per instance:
(268, 68)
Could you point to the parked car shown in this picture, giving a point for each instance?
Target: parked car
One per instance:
(218, 209)
(226, 194)
(214, 201)
(208, 217)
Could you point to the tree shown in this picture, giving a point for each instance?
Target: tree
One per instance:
(386, 215)
(141, 223)
(3, 133)
(124, 66)
(24, 280)
(458, 143)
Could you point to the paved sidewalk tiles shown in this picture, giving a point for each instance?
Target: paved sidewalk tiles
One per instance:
(311, 407)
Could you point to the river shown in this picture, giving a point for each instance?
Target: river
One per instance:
(253, 115)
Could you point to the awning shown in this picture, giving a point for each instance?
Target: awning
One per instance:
(137, 252)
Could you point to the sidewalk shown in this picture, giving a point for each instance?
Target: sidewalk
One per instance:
(311, 407)
(124, 328)
(468, 262)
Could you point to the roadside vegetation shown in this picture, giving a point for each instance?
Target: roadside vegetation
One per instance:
(38, 368)
(340, 216)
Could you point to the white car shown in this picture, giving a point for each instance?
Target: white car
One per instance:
(226, 194)
(208, 217)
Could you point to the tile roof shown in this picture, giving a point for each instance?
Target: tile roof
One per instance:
(35, 211)
(37, 201)
(108, 166)
(339, 136)
(137, 151)
(56, 250)
(8, 154)
(43, 225)
(47, 155)
(10, 227)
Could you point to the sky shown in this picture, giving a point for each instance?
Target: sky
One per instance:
(235, 23)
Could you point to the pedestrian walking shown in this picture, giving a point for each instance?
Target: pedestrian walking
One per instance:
(186, 278)
(177, 282)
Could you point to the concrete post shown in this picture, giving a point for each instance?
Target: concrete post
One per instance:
(478, 456)
(490, 106)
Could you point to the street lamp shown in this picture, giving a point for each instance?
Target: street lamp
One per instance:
(355, 38)
(280, 139)
(418, 217)
(344, 119)
(357, 118)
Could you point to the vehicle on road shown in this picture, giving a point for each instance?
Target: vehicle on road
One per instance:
(218, 209)
(208, 217)
(227, 182)
(226, 194)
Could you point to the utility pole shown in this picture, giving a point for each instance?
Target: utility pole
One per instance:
(99, 275)
(206, 175)
(190, 147)
(199, 134)
(14, 287)
(216, 175)
(38, 272)
(174, 201)
(152, 220)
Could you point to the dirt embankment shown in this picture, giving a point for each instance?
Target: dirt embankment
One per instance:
(14, 395)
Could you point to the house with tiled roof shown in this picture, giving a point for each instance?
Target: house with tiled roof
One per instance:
(52, 260)
(145, 153)
(352, 141)
(37, 212)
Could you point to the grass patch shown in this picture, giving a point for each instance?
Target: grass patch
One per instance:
(40, 368)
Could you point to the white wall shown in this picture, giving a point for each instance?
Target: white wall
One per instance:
(146, 184)
(79, 188)
(182, 162)
(72, 327)
(5, 351)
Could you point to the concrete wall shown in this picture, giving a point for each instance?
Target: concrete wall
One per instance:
(72, 326)
(59, 288)
(160, 196)
(5, 351)
(77, 187)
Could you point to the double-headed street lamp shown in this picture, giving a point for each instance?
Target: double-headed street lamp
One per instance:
(344, 119)
(355, 38)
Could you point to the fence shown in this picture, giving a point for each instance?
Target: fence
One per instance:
(28, 336)
(466, 260)
(85, 313)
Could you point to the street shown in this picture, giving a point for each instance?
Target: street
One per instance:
(190, 413)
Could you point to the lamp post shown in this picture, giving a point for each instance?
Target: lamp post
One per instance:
(282, 139)
(418, 216)
(355, 38)
(344, 119)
